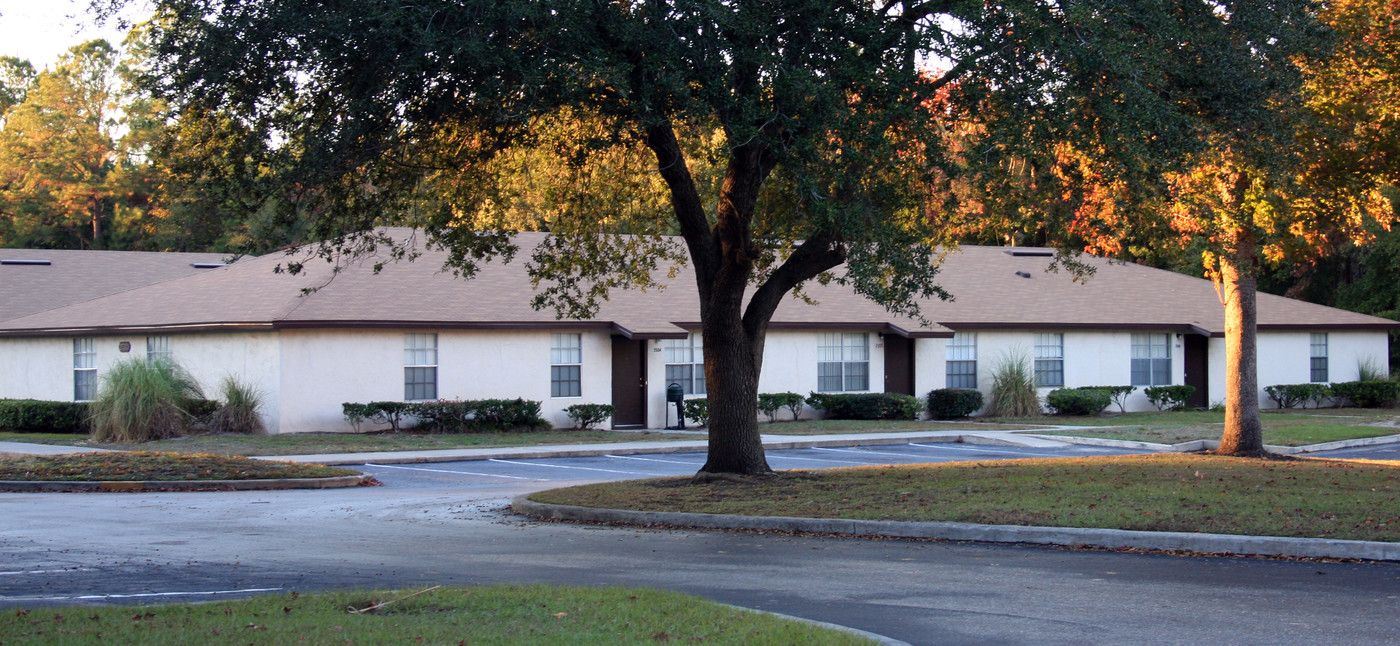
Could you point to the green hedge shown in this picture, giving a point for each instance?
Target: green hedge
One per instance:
(38, 416)
(866, 406)
(1368, 394)
(1290, 395)
(1168, 397)
(697, 410)
(952, 403)
(586, 416)
(1116, 394)
(770, 403)
(1078, 401)
(451, 416)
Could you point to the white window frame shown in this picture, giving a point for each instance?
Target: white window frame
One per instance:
(1049, 359)
(1151, 355)
(159, 347)
(843, 362)
(1318, 370)
(685, 362)
(420, 366)
(961, 361)
(84, 369)
(565, 365)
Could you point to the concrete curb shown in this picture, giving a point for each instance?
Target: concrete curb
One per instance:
(1211, 445)
(1068, 536)
(875, 637)
(181, 485)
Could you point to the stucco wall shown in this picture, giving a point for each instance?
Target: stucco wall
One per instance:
(36, 369)
(1285, 358)
(321, 369)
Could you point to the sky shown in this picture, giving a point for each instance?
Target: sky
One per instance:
(40, 30)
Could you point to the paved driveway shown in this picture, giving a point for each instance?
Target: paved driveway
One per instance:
(447, 524)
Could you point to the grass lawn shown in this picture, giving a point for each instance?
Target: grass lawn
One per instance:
(1165, 492)
(480, 615)
(826, 426)
(149, 465)
(302, 443)
(1283, 428)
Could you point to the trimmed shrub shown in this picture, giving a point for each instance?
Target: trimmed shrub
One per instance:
(1013, 388)
(770, 403)
(586, 416)
(1168, 397)
(866, 405)
(697, 410)
(1117, 394)
(1290, 395)
(356, 414)
(1078, 401)
(391, 413)
(1368, 394)
(142, 400)
(952, 403)
(451, 416)
(238, 412)
(38, 416)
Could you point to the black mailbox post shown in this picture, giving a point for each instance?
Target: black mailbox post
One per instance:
(674, 393)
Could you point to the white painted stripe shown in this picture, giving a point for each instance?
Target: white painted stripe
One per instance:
(76, 569)
(975, 449)
(629, 457)
(902, 455)
(560, 466)
(788, 457)
(460, 473)
(143, 595)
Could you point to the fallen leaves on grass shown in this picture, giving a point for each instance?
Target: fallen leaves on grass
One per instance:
(152, 465)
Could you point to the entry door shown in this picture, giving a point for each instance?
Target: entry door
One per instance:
(1198, 370)
(899, 364)
(629, 383)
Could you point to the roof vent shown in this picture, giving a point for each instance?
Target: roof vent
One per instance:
(20, 261)
(1023, 274)
(208, 265)
(1038, 253)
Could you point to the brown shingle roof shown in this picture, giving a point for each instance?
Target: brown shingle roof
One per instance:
(77, 276)
(988, 293)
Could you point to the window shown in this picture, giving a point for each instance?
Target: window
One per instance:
(962, 360)
(158, 347)
(84, 370)
(419, 367)
(685, 363)
(1319, 357)
(565, 365)
(843, 362)
(1049, 359)
(1151, 360)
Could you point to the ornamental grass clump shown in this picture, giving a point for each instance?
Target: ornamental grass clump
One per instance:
(238, 411)
(143, 400)
(1013, 388)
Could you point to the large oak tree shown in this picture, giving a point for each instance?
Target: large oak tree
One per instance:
(822, 119)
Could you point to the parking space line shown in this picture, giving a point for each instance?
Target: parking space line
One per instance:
(560, 466)
(827, 448)
(76, 569)
(460, 473)
(630, 457)
(143, 595)
(788, 457)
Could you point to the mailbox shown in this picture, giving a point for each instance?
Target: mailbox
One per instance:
(674, 393)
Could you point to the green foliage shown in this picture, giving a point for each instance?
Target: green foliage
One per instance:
(477, 415)
(1117, 394)
(1369, 369)
(1290, 395)
(770, 403)
(697, 410)
(953, 403)
(866, 405)
(356, 414)
(142, 400)
(237, 410)
(38, 416)
(1013, 387)
(1169, 397)
(1078, 401)
(586, 416)
(1368, 394)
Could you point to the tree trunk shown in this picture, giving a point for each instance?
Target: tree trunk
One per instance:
(732, 365)
(1244, 433)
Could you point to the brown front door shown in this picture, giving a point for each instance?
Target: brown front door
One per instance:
(629, 383)
(1198, 370)
(899, 364)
